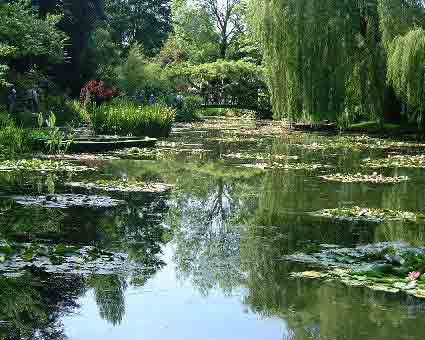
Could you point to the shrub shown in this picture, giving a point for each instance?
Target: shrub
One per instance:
(188, 111)
(138, 77)
(66, 111)
(124, 117)
(96, 91)
(14, 140)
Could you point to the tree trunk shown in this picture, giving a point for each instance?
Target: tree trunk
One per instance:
(392, 107)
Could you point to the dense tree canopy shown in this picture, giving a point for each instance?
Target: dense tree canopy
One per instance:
(145, 22)
(328, 57)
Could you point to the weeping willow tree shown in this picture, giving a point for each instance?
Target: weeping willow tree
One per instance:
(330, 59)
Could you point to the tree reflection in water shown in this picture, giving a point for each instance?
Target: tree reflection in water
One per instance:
(31, 306)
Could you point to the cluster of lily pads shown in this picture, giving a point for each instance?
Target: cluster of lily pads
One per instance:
(233, 139)
(368, 214)
(38, 165)
(64, 201)
(259, 156)
(286, 166)
(122, 185)
(59, 258)
(397, 161)
(389, 267)
(374, 178)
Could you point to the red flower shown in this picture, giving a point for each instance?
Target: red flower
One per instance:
(97, 91)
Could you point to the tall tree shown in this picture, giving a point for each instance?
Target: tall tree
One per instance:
(329, 57)
(145, 22)
(208, 29)
(226, 17)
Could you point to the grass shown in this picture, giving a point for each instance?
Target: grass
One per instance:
(124, 118)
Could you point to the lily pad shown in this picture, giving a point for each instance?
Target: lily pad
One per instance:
(38, 165)
(286, 166)
(373, 266)
(122, 186)
(368, 214)
(65, 258)
(397, 161)
(68, 200)
(374, 178)
(260, 156)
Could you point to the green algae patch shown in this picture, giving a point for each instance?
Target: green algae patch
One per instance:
(121, 185)
(396, 161)
(368, 214)
(374, 178)
(38, 165)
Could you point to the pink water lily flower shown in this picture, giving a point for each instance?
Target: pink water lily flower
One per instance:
(413, 276)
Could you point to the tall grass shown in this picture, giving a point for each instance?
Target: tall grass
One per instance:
(123, 117)
(14, 140)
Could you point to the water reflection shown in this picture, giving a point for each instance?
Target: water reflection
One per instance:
(223, 233)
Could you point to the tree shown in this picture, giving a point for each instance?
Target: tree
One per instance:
(328, 57)
(145, 22)
(227, 20)
(208, 29)
(26, 39)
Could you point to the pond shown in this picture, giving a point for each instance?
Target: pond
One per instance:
(223, 204)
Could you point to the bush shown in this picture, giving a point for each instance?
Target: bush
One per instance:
(188, 111)
(124, 117)
(96, 91)
(66, 111)
(14, 140)
(138, 77)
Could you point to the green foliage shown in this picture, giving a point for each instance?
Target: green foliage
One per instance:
(124, 117)
(188, 111)
(27, 35)
(13, 140)
(143, 22)
(195, 33)
(208, 30)
(306, 76)
(66, 111)
(406, 71)
(225, 81)
(101, 56)
(349, 81)
(136, 76)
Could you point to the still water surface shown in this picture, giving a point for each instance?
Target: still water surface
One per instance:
(211, 249)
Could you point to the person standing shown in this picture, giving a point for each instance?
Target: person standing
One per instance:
(11, 100)
(152, 100)
(33, 100)
(179, 101)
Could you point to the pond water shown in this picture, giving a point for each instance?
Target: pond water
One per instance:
(211, 250)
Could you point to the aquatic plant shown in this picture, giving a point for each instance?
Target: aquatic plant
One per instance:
(124, 117)
(15, 257)
(68, 200)
(122, 185)
(368, 214)
(374, 178)
(389, 267)
(286, 166)
(413, 276)
(396, 161)
(39, 165)
(259, 156)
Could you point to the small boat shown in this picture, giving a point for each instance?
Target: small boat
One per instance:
(105, 143)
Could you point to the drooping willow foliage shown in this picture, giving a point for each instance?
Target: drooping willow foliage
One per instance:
(330, 58)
